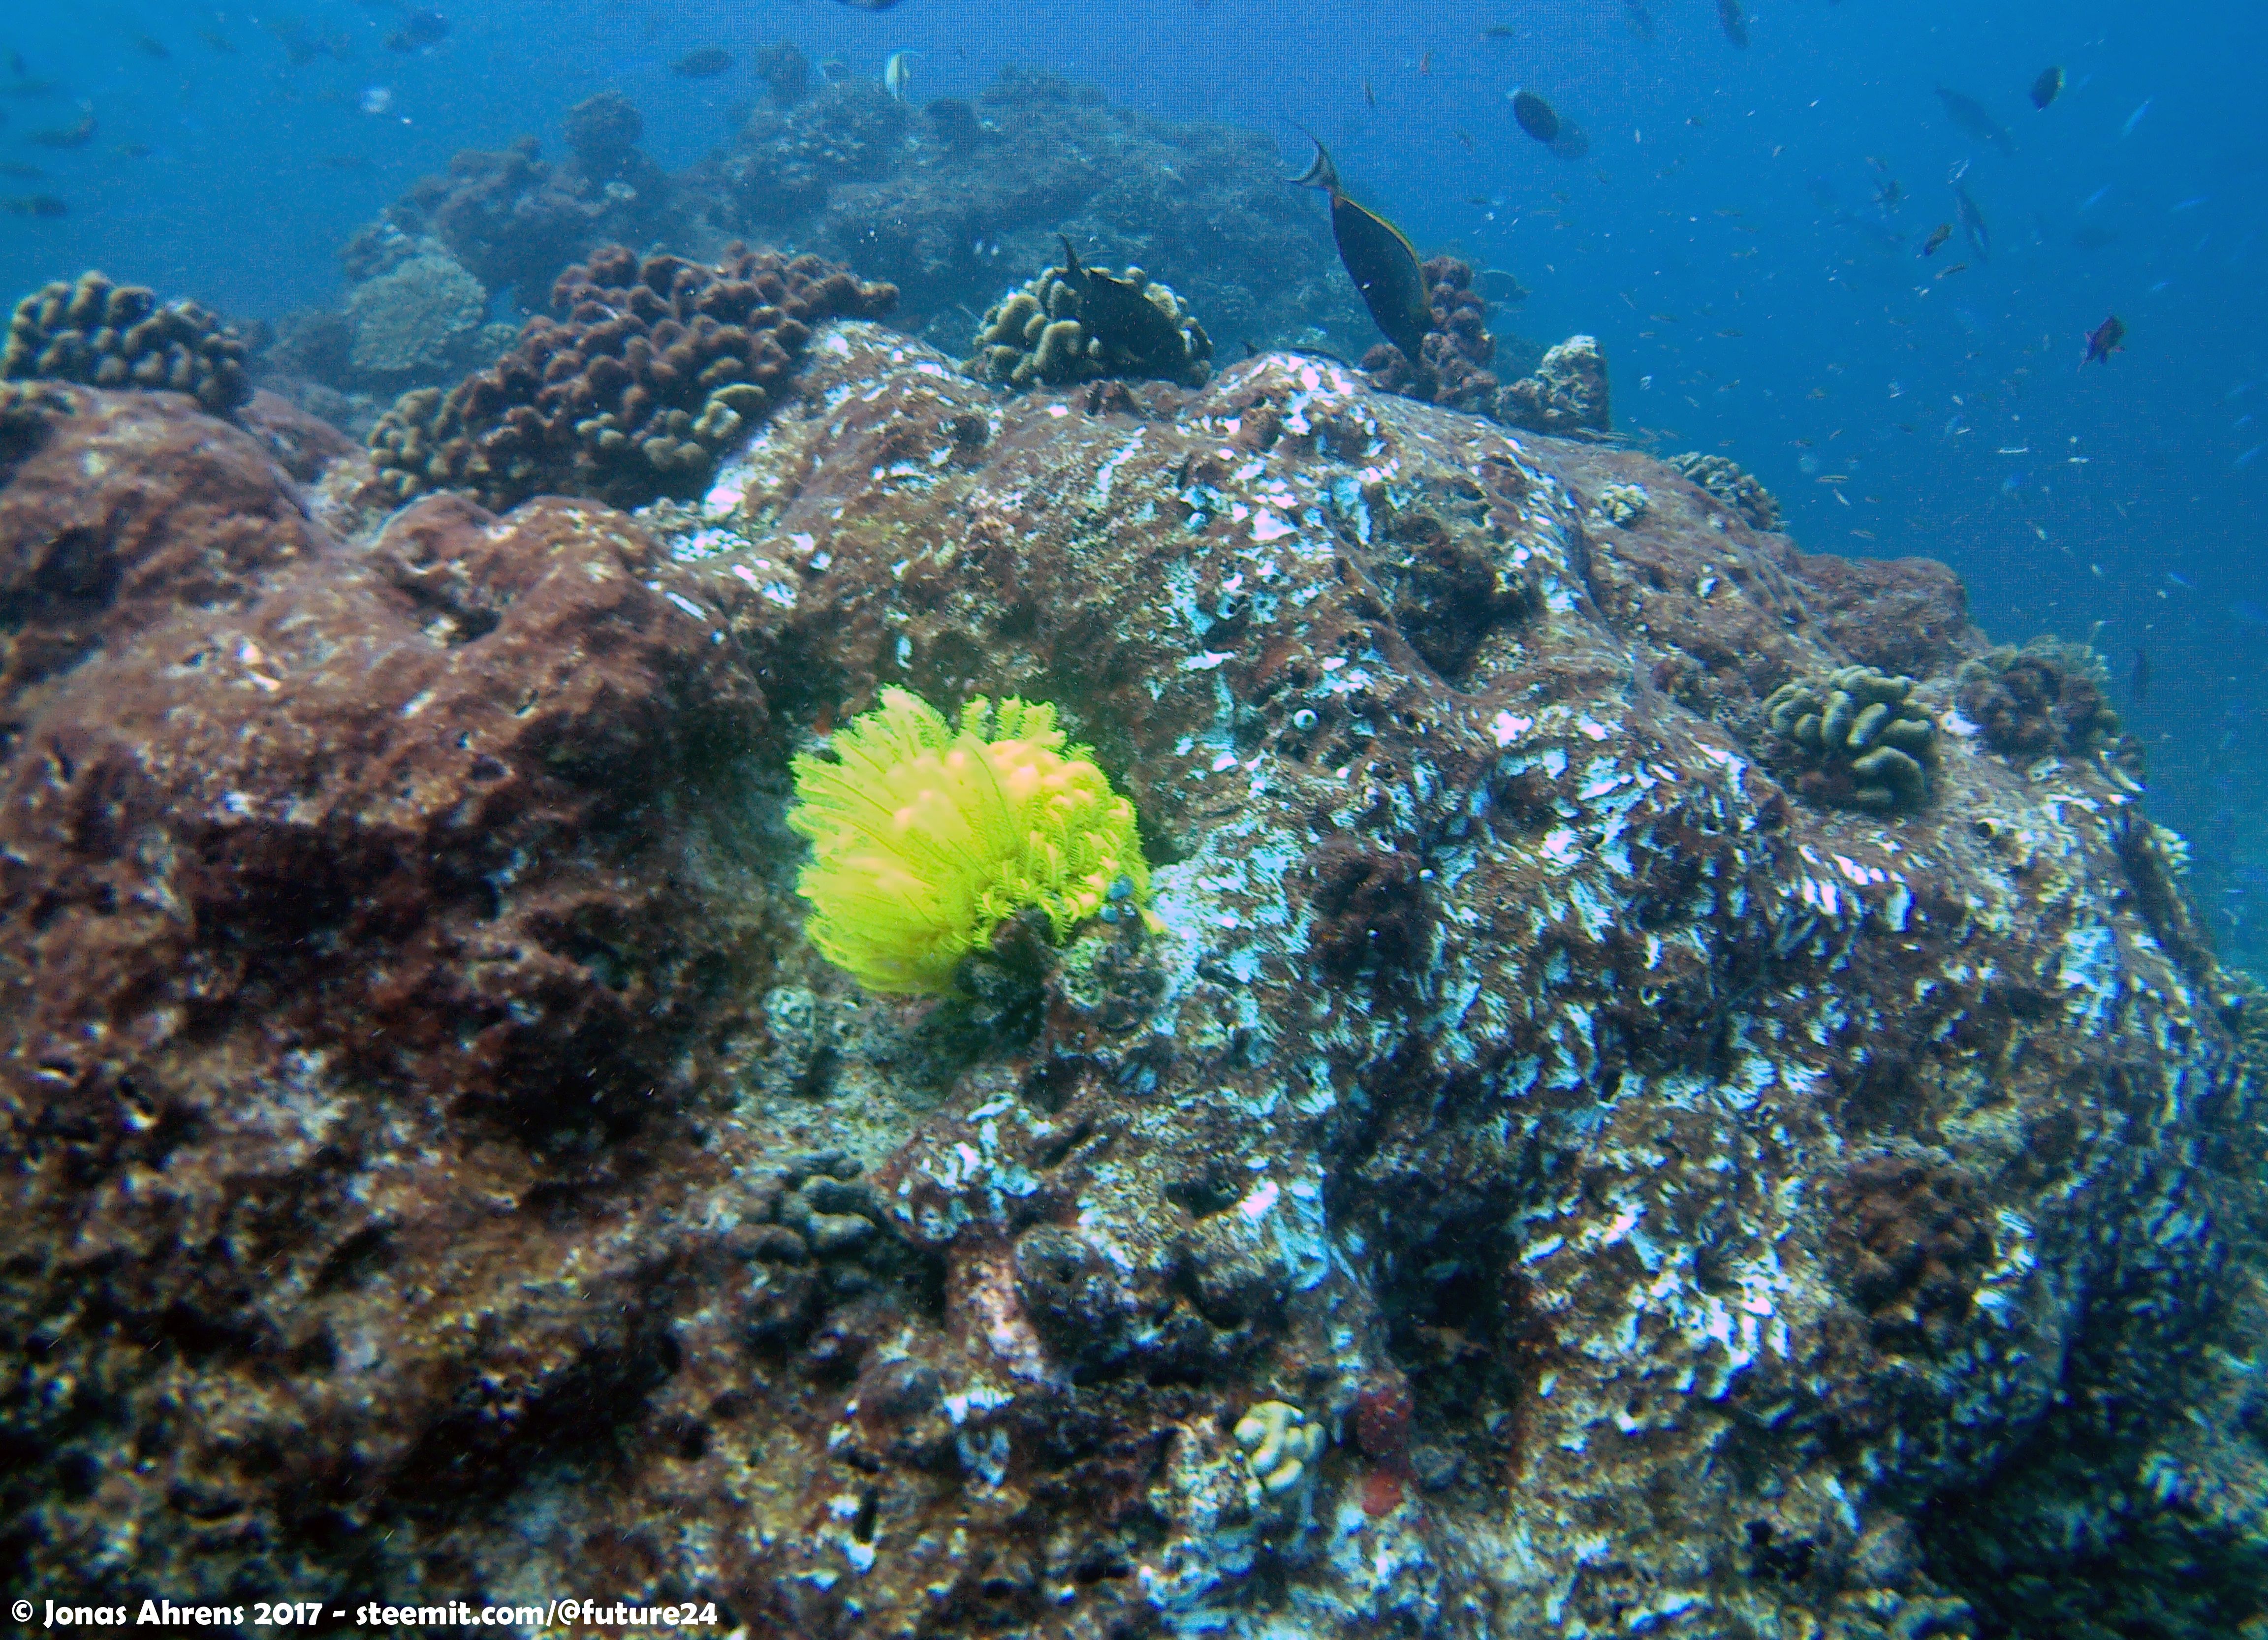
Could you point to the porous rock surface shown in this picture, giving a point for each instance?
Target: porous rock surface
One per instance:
(436, 1164)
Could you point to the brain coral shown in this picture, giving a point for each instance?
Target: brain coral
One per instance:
(102, 334)
(650, 369)
(925, 837)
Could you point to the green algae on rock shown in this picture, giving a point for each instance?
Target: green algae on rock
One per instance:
(97, 334)
(1075, 324)
(1858, 738)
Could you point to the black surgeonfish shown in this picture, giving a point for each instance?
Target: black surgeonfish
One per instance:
(1116, 310)
(2105, 339)
(1379, 259)
(1536, 116)
(2048, 87)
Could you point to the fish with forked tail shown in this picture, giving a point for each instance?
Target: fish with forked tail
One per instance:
(1378, 258)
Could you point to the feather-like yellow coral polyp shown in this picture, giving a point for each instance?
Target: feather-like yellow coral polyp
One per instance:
(925, 836)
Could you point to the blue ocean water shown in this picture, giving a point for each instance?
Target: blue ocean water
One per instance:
(1731, 236)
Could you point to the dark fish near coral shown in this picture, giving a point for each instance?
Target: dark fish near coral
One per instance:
(1116, 310)
(1733, 21)
(2048, 87)
(420, 28)
(1972, 224)
(35, 205)
(2105, 339)
(2137, 680)
(1379, 259)
(1536, 116)
(1938, 236)
(706, 64)
(1500, 286)
(76, 136)
(1972, 117)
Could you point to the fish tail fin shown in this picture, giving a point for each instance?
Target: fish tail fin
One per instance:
(1320, 173)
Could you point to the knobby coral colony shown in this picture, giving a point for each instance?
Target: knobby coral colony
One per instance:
(1075, 324)
(925, 836)
(651, 368)
(1451, 365)
(1859, 739)
(101, 335)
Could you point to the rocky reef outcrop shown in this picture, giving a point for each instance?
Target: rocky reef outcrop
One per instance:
(1567, 394)
(1542, 1175)
(651, 368)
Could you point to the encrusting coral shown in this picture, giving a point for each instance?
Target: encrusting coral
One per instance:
(1858, 739)
(651, 369)
(925, 836)
(1567, 395)
(101, 335)
(1279, 1443)
(1075, 324)
(1622, 505)
(414, 316)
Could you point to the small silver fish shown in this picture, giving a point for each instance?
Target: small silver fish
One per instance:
(897, 73)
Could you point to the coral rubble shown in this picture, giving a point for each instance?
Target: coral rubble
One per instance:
(1858, 735)
(104, 334)
(651, 368)
(1723, 478)
(440, 1162)
(1075, 323)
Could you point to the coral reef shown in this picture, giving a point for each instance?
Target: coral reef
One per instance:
(649, 369)
(441, 1164)
(418, 316)
(785, 71)
(1622, 505)
(2049, 696)
(116, 335)
(602, 133)
(1858, 738)
(514, 220)
(1457, 348)
(1723, 478)
(1075, 324)
(1567, 394)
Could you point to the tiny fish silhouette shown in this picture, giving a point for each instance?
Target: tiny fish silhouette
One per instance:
(2105, 339)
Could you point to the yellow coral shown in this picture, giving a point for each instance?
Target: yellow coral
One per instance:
(925, 836)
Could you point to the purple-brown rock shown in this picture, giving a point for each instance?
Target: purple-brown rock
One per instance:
(440, 1167)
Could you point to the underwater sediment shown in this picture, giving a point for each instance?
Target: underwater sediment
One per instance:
(1551, 1174)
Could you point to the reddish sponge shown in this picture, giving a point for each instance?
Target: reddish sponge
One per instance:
(651, 368)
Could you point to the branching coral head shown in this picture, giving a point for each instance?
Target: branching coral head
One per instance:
(925, 836)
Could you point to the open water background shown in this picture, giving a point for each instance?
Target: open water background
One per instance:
(1722, 238)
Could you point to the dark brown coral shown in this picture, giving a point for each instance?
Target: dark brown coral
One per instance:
(1453, 370)
(2044, 698)
(101, 335)
(650, 369)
